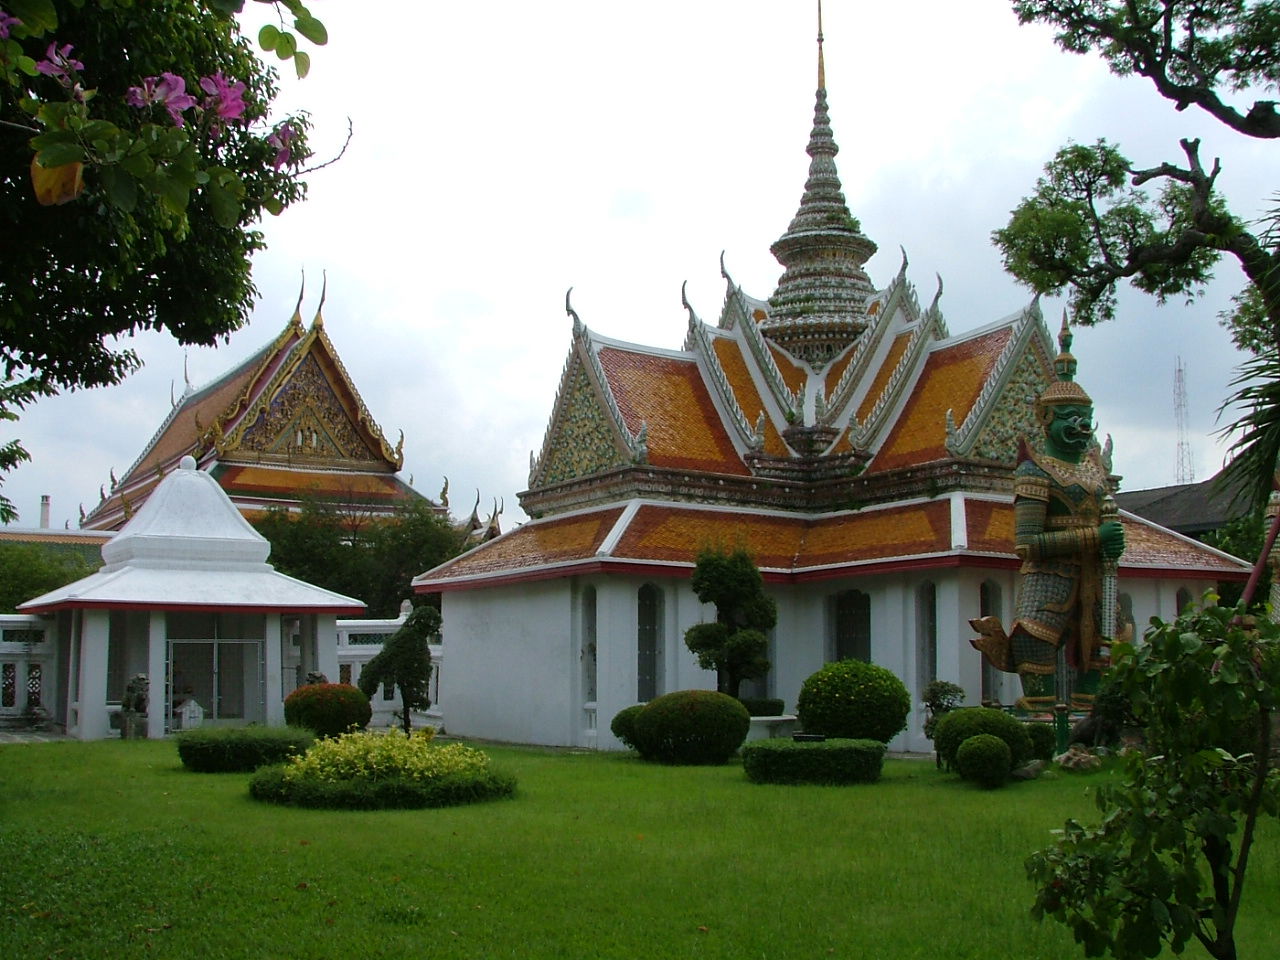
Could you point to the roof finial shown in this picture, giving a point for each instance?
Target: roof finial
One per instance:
(297, 310)
(822, 69)
(324, 290)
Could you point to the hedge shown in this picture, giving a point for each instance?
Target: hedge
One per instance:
(833, 761)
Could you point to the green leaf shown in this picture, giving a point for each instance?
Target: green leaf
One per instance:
(225, 205)
(58, 154)
(27, 66)
(172, 193)
(286, 45)
(38, 16)
(227, 8)
(268, 37)
(274, 206)
(312, 29)
(302, 63)
(122, 189)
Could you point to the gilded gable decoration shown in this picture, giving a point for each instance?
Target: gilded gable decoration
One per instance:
(580, 440)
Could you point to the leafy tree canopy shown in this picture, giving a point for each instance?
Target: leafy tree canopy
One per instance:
(137, 153)
(373, 560)
(29, 570)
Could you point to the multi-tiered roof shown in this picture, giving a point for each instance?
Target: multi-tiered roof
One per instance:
(285, 424)
(834, 428)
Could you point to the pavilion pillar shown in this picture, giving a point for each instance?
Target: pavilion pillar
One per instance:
(95, 629)
(326, 645)
(161, 696)
(273, 667)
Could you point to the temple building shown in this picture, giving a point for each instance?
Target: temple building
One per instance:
(286, 424)
(861, 452)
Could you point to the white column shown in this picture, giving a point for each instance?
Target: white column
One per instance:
(161, 696)
(327, 645)
(94, 723)
(272, 666)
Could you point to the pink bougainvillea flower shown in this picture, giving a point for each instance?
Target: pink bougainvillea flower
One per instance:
(281, 140)
(224, 98)
(57, 63)
(7, 21)
(168, 89)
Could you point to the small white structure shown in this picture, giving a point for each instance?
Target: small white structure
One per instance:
(359, 641)
(186, 597)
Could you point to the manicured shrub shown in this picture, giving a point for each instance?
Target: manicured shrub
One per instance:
(985, 759)
(959, 725)
(691, 726)
(855, 700)
(240, 749)
(763, 706)
(329, 709)
(373, 771)
(835, 761)
(624, 725)
(1044, 742)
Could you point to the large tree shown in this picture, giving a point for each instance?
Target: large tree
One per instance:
(136, 158)
(1092, 221)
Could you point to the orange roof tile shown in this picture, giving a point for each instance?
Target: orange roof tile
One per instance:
(793, 375)
(266, 480)
(952, 378)
(667, 394)
(734, 364)
(836, 371)
(1147, 545)
(990, 526)
(879, 534)
(891, 360)
(678, 535)
(535, 544)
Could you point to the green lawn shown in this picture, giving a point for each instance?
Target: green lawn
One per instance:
(113, 850)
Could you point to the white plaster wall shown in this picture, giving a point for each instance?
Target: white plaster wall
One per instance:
(512, 665)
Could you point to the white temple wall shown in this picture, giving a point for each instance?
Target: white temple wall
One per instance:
(511, 663)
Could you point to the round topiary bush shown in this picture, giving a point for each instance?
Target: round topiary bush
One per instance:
(1044, 742)
(370, 771)
(329, 709)
(624, 725)
(854, 700)
(984, 759)
(959, 725)
(764, 706)
(691, 726)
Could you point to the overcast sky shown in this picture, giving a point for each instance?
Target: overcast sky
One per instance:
(506, 151)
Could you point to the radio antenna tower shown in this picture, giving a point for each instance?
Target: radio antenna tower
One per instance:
(1186, 463)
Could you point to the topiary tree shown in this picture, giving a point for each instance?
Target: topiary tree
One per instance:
(691, 726)
(329, 709)
(853, 699)
(623, 725)
(959, 725)
(734, 646)
(985, 759)
(405, 662)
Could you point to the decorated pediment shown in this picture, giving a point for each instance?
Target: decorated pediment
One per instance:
(305, 418)
(582, 439)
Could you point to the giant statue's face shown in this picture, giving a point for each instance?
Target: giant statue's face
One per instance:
(1070, 432)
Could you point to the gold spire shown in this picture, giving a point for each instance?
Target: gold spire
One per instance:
(822, 69)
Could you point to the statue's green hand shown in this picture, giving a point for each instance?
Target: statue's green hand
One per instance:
(1111, 539)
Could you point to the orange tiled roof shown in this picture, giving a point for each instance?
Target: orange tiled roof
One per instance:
(266, 480)
(951, 380)
(667, 394)
(891, 360)
(792, 374)
(1146, 545)
(536, 544)
(734, 364)
(905, 531)
(660, 532)
(990, 526)
(836, 371)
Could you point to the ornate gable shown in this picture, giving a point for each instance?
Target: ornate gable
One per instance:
(1012, 415)
(582, 439)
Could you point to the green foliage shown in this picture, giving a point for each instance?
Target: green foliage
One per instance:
(1044, 742)
(29, 570)
(240, 749)
(1168, 861)
(763, 706)
(985, 759)
(959, 725)
(350, 552)
(623, 725)
(154, 226)
(367, 771)
(691, 727)
(854, 700)
(328, 709)
(940, 696)
(834, 761)
(404, 662)
(736, 643)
